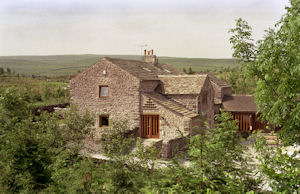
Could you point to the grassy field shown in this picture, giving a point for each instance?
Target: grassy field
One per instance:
(59, 65)
(40, 90)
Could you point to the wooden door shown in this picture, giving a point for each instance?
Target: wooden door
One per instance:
(243, 121)
(150, 126)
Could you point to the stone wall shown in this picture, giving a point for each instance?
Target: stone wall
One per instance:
(218, 91)
(123, 93)
(169, 121)
(217, 108)
(226, 91)
(174, 146)
(197, 124)
(206, 102)
(148, 85)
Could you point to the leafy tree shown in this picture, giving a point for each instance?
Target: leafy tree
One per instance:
(216, 160)
(2, 71)
(8, 71)
(243, 46)
(34, 150)
(274, 62)
(279, 168)
(190, 71)
(275, 65)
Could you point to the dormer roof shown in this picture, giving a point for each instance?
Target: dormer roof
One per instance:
(182, 84)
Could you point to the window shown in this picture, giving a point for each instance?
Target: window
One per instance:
(166, 70)
(204, 97)
(103, 91)
(146, 69)
(103, 120)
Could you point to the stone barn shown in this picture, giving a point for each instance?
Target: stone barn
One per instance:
(156, 99)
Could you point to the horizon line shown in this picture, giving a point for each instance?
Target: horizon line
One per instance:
(45, 55)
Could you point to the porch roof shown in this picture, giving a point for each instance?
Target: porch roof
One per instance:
(239, 103)
(170, 104)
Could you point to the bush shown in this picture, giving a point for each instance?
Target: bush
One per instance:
(116, 138)
(245, 134)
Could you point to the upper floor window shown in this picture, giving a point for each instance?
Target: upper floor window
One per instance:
(103, 91)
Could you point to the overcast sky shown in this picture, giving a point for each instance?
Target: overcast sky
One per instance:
(178, 28)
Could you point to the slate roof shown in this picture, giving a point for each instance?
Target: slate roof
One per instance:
(170, 104)
(182, 84)
(215, 80)
(239, 103)
(144, 70)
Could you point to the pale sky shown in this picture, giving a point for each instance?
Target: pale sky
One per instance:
(177, 28)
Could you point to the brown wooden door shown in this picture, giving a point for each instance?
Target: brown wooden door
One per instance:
(150, 126)
(243, 120)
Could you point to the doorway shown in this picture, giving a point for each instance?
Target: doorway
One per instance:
(150, 126)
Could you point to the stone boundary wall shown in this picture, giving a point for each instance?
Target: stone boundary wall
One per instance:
(49, 108)
(172, 147)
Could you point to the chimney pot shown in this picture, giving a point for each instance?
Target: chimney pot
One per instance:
(145, 52)
(148, 52)
(151, 52)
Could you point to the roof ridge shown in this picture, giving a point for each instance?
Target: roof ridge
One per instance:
(184, 75)
(143, 70)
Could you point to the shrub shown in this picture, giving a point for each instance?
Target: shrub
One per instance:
(115, 140)
(245, 134)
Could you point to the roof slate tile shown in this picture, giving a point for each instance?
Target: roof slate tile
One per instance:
(144, 70)
(182, 84)
(161, 99)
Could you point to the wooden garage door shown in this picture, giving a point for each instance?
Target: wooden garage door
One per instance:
(150, 126)
(243, 120)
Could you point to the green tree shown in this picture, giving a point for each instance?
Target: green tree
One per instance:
(274, 62)
(275, 65)
(35, 150)
(216, 160)
(190, 71)
(243, 47)
(8, 71)
(279, 168)
(2, 71)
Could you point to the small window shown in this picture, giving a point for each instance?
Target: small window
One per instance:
(146, 69)
(166, 70)
(103, 91)
(103, 120)
(204, 97)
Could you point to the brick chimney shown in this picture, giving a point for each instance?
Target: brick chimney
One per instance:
(149, 57)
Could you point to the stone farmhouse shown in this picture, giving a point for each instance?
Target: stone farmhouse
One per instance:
(157, 99)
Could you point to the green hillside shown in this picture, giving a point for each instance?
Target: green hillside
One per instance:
(57, 65)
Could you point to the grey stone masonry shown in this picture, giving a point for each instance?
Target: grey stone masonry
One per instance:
(122, 101)
(131, 90)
